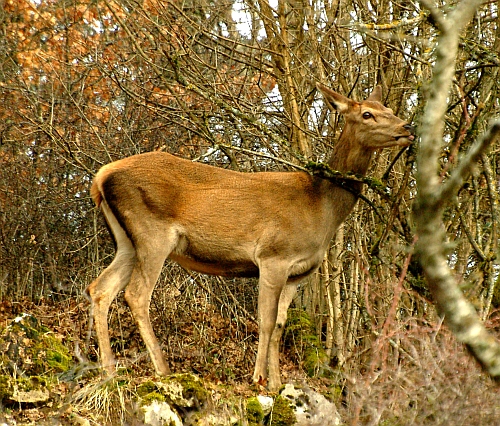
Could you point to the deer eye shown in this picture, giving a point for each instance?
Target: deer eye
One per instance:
(367, 115)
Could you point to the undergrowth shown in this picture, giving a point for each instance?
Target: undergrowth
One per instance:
(416, 373)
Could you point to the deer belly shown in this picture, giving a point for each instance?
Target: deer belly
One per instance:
(231, 269)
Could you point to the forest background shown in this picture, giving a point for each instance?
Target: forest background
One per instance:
(232, 84)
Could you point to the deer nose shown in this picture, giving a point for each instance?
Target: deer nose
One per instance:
(410, 128)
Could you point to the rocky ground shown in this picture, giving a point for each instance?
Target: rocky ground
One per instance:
(48, 377)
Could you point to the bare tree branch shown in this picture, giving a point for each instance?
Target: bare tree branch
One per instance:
(466, 166)
(433, 196)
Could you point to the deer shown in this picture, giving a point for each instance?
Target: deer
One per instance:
(274, 226)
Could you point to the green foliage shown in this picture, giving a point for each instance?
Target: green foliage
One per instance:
(324, 171)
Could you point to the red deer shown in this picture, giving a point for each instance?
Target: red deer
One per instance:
(272, 225)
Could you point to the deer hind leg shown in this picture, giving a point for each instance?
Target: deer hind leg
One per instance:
(138, 294)
(271, 284)
(286, 297)
(104, 289)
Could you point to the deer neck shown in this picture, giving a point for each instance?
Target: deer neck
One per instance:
(346, 157)
(349, 157)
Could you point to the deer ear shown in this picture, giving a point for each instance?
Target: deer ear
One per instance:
(335, 100)
(376, 95)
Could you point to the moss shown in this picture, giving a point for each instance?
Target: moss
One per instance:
(335, 394)
(24, 389)
(27, 384)
(152, 396)
(56, 355)
(300, 333)
(282, 414)
(315, 359)
(6, 388)
(254, 412)
(30, 357)
(393, 421)
(28, 346)
(29, 325)
(192, 389)
(146, 388)
(179, 390)
(149, 392)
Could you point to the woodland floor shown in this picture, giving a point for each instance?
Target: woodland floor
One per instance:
(434, 380)
(207, 350)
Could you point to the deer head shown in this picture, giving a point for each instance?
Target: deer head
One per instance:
(369, 123)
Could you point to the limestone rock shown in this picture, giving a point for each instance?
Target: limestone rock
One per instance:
(311, 408)
(159, 413)
(266, 402)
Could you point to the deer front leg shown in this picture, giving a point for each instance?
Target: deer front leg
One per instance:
(286, 298)
(270, 287)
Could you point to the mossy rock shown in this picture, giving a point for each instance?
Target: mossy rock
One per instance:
(254, 412)
(146, 388)
(180, 390)
(24, 389)
(392, 421)
(193, 390)
(30, 356)
(28, 346)
(282, 413)
(149, 392)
